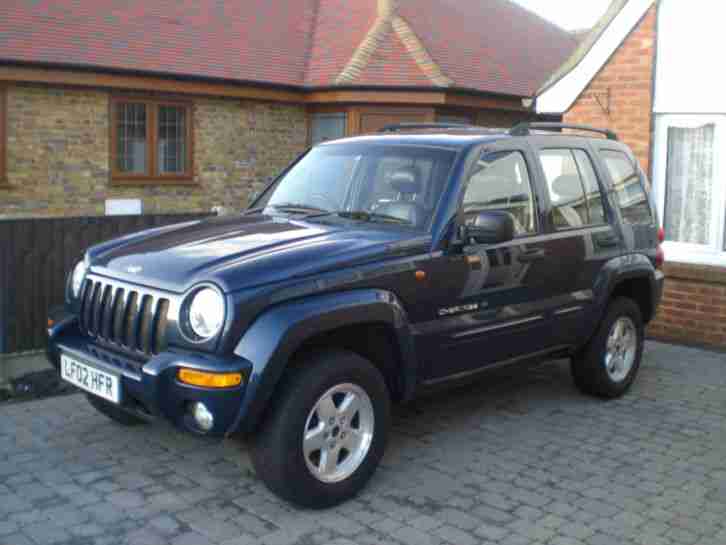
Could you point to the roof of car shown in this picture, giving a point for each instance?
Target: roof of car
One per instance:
(459, 135)
(453, 139)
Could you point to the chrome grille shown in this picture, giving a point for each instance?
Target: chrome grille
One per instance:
(124, 316)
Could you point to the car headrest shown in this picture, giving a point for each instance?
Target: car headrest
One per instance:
(406, 180)
(567, 187)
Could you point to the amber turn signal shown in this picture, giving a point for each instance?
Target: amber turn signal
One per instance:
(209, 380)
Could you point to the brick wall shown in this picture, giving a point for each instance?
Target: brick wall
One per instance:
(628, 76)
(694, 306)
(58, 153)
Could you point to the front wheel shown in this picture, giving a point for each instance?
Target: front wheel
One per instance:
(326, 432)
(606, 367)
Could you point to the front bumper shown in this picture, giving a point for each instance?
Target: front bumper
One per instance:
(151, 390)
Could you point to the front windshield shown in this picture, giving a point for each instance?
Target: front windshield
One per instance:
(387, 184)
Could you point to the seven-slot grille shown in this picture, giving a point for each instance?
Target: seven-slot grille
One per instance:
(126, 317)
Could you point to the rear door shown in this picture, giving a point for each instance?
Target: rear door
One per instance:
(580, 236)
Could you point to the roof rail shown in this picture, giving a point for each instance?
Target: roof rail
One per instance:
(424, 126)
(523, 129)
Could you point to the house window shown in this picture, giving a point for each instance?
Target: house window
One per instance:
(3, 138)
(690, 195)
(151, 141)
(324, 127)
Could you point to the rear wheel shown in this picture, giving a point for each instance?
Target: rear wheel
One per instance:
(607, 366)
(326, 433)
(113, 412)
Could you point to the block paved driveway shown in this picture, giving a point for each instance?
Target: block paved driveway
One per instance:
(523, 459)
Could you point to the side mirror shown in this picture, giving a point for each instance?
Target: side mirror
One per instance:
(489, 227)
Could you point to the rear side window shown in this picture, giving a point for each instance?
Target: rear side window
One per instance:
(630, 195)
(501, 182)
(573, 188)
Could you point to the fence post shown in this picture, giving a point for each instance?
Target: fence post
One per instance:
(4, 285)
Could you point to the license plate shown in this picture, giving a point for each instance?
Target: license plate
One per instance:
(91, 379)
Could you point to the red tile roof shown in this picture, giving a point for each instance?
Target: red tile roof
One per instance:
(340, 27)
(392, 65)
(493, 46)
(489, 44)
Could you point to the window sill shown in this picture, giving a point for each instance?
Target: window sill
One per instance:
(143, 181)
(680, 255)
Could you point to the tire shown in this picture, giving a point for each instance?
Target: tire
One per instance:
(590, 370)
(113, 412)
(277, 450)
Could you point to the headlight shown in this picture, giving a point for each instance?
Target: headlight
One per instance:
(205, 315)
(79, 273)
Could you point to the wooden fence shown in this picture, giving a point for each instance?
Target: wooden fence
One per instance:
(35, 257)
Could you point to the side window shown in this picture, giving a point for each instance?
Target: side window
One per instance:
(629, 191)
(501, 182)
(592, 188)
(566, 190)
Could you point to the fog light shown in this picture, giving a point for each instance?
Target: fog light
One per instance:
(202, 416)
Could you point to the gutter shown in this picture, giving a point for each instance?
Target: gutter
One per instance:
(285, 87)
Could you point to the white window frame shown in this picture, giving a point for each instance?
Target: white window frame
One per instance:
(712, 254)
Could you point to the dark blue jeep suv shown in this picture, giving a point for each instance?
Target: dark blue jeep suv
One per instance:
(372, 269)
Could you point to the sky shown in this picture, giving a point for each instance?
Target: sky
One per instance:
(569, 14)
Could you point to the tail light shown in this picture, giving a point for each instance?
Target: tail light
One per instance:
(659, 253)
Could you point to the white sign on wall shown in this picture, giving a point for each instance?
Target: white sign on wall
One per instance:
(124, 207)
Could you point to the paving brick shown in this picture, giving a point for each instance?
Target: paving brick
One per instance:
(455, 536)
(518, 464)
(46, 532)
(412, 536)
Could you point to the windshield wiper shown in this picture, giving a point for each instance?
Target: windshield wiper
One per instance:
(362, 215)
(251, 211)
(295, 208)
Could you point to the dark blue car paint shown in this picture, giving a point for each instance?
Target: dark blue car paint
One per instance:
(275, 336)
(469, 308)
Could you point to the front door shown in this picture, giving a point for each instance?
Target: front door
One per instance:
(493, 301)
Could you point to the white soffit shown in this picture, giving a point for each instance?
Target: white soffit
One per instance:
(560, 97)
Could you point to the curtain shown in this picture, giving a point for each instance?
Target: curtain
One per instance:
(690, 184)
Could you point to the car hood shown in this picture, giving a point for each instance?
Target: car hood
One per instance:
(241, 252)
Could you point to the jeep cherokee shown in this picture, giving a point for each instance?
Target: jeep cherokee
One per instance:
(372, 269)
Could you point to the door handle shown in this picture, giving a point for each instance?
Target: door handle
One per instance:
(532, 255)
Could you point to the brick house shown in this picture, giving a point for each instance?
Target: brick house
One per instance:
(642, 72)
(113, 106)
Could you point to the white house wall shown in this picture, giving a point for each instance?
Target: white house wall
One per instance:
(691, 48)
